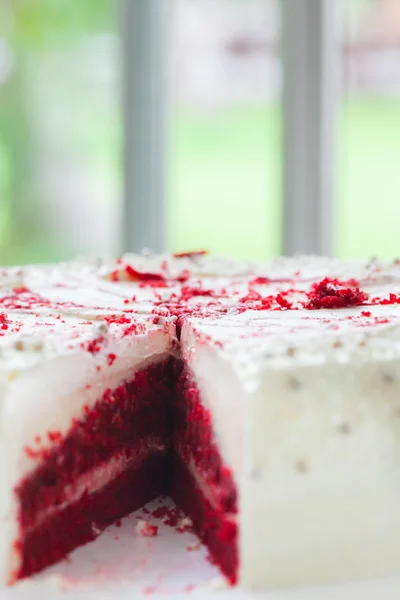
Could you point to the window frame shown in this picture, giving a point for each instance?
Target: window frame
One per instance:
(311, 56)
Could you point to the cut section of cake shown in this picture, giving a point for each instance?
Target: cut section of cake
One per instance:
(203, 476)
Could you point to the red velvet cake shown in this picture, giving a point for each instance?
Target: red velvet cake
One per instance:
(263, 398)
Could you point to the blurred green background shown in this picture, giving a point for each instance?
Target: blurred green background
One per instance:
(61, 129)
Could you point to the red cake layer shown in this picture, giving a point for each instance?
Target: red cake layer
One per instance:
(130, 424)
(201, 484)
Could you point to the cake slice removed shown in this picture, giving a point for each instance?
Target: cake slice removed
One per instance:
(287, 442)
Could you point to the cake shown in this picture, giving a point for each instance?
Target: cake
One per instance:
(264, 398)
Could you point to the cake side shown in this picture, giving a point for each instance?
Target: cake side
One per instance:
(320, 495)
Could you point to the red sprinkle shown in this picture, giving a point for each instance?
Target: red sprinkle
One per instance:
(133, 328)
(191, 292)
(118, 319)
(256, 301)
(183, 276)
(94, 346)
(154, 283)
(194, 254)
(282, 301)
(260, 281)
(142, 276)
(393, 299)
(147, 530)
(111, 358)
(3, 321)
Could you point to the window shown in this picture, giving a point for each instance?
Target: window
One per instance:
(225, 133)
(368, 207)
(241, 167)
(59, 129)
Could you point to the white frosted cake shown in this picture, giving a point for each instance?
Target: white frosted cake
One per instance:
(265, 399)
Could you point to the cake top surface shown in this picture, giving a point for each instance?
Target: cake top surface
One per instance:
(303, 308)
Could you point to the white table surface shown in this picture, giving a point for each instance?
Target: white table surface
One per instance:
(123, 565)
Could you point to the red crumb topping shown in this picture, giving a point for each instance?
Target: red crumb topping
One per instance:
(332, 293)
(24, 299)
(94, 346)
(147, 530)
(188, 292)
(282, 301)
(255, 301)
(393, 299)
(194, 254)
(118, 319)
(135, 275)
(154, 283)
(366, 313)
(133, 328)
(183, 276)
(260, 281)
(3, 321)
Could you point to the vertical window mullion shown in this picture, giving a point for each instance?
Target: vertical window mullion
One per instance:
(310, 59)
(144, 49)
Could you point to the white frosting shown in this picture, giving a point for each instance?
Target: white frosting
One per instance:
(306, 411)
(305, 404)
